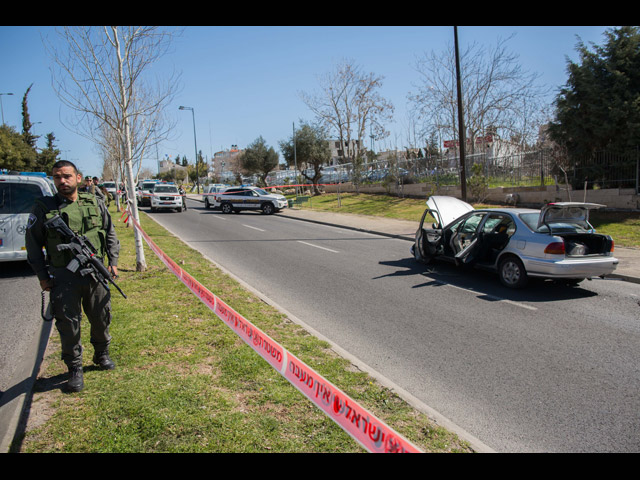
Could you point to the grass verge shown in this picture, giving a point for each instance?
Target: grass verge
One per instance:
(184, 382)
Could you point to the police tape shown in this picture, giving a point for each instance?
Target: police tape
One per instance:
(364, 427)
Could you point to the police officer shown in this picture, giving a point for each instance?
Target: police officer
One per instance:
(91, 186)
(71, 293)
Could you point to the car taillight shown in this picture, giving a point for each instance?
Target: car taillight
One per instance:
(611, 245)
(555, 248)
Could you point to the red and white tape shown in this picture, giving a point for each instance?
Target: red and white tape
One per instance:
(369, 431)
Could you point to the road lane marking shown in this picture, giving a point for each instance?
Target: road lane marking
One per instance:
(318, 246)
(255, 228)
(493, 297)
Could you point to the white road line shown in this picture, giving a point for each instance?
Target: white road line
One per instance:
(318, 246)
(493, 297)
(255, 228)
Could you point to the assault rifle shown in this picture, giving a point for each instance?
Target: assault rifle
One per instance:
(84, 254)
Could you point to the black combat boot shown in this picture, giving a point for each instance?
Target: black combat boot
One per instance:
(75, 382)
(103, 361)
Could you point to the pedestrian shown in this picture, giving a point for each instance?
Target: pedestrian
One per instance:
(70, 291)
(95, 189)
(87, 186)
(107, 196)
(183, 194)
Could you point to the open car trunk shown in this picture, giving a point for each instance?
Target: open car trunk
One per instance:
(583, 244)
(562, 217)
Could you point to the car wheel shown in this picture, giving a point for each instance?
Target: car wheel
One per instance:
(226, 208)
(267, 208)
(206, 204)
(512, 273)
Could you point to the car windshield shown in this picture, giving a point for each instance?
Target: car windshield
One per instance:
(165, 189)
(260, 191)
(148, 186)
(109, 185)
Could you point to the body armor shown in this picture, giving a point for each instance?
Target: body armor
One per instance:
(83, 217)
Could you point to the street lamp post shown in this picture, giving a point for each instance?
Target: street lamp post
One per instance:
(2, 109)
(195, 143)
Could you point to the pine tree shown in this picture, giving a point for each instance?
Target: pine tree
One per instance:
(599, 107)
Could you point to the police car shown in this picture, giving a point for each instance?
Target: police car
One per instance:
(235, 199)
(17, 195)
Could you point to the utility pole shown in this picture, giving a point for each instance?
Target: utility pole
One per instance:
(461, 135)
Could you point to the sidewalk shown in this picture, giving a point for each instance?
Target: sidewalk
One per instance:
(628, 268)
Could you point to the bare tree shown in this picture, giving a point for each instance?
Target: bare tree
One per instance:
(349, 105)
(498, 96)
(103, 76)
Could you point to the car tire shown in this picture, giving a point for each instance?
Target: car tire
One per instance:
(206, 204)
(267, 208)
(512, 272)
(226, 208)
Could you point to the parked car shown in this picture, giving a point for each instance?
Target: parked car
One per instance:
(166, 197)
(556, 242)
(235, 199)
(209, 191)
(17, 195)
(143, 195)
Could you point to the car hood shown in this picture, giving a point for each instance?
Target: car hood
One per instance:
(448, 208)
(567, 212)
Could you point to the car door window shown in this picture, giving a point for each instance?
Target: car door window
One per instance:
(471, 224)
(499, 223)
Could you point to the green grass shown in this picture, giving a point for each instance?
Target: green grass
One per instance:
(370, 204)
(624, 227)
(184, 382)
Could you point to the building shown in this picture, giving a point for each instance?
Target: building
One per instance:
(225, 164)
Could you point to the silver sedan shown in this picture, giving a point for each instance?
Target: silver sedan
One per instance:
(555, 242)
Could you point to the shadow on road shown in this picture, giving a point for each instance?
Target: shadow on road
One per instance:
(487, 283)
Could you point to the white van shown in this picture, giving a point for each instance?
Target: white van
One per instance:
(209, 191)
(17, 195)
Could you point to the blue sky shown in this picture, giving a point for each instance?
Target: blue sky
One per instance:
(245, 82)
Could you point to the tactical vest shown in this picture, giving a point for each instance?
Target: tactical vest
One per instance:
(83, 217)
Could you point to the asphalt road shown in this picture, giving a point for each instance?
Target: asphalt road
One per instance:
(23, 335)
(546, 369)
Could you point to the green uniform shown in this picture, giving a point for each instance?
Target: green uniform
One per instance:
(71, 292)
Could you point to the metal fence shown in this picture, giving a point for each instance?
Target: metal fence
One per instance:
(542, 167)
(537, 168)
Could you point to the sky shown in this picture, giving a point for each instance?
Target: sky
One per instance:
(244, 82)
